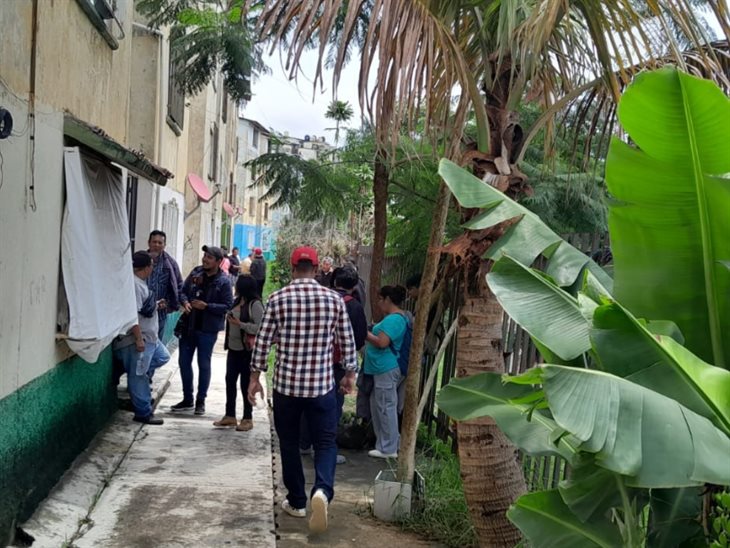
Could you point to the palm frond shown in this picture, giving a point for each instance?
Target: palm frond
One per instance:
(416, 54)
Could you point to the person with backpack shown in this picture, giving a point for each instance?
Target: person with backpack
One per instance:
(345, 281)
(243, 322)
(258, 269)
(385, 345)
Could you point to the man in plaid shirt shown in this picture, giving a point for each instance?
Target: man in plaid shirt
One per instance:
(304, 320)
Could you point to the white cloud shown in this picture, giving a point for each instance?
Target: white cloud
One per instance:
(285, 105)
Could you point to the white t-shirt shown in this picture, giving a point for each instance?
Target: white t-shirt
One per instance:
(148, 326)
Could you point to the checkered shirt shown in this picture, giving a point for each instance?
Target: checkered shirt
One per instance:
(304, 320)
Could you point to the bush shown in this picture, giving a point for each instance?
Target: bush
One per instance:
(443, 515)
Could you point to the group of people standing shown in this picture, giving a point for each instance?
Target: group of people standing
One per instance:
(318, 325)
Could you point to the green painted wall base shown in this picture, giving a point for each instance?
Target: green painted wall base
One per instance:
(45, 425)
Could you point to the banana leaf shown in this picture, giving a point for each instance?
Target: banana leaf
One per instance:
(525, 240)
(512, 406)
(547, 522)
(591, 490)
(553, 317)
(635, 431)
(670, 220)
(675, 518)
(628, 349)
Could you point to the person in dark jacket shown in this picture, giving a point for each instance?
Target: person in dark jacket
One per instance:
(206, 298)
(258, 269)
(345, 280)
(325, 276)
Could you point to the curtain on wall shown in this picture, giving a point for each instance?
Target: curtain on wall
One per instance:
(95, 255)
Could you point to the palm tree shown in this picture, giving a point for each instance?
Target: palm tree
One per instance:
(494, 54)
(339, 111)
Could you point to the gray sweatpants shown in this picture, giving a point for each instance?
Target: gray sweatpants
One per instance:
(384, 410)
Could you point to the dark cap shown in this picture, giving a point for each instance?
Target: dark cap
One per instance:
(141, 259)
(304, 254)
(216, 252)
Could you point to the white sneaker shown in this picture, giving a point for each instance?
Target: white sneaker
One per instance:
(341, 459)
(378, 455)
(294, 512)
(318, 521)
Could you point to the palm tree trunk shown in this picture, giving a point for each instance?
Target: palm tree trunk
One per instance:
(491, 474)
(380, 230)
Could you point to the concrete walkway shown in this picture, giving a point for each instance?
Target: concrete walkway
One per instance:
(181, 484)
(187, 484)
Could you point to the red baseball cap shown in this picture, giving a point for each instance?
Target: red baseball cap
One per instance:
(304, 254)
(258, 251)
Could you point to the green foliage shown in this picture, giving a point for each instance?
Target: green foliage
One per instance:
(326, 238)
(566, 173)
(443, 515)
(720, 520)
(339, 111)
(642, 421)
(669, 237)
(203, 37)
(526, 239)
(312, 190)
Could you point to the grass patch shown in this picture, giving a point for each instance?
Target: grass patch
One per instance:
(443, 515)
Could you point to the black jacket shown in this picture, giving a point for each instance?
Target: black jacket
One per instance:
(258, 268)
(217, 293)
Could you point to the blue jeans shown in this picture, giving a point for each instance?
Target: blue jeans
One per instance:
(202, 342)
(384, 410)
(160, 356)
(305, 440)
(136, 365)
(321, 416)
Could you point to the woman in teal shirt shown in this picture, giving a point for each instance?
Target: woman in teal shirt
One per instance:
(381, 361)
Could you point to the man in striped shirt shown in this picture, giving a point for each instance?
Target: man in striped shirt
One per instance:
(304, 320)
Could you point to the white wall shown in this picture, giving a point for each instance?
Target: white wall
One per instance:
(30, 244)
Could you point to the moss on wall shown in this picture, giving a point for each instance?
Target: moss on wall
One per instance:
(45, 425)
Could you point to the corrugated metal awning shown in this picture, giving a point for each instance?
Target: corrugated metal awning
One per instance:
(97, 140)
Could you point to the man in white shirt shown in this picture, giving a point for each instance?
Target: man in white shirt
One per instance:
(136, 348)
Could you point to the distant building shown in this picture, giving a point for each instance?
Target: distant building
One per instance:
(254, 227)
(310, 147)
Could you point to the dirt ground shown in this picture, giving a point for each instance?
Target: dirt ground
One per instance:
(350, 519)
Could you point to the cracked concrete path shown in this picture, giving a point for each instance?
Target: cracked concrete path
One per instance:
(181, 484)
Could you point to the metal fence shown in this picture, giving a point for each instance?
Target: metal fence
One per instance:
(519, 351)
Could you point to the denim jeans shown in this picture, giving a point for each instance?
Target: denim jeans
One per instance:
(384, 410)
(321, 415)
(305, 440)
(136, 365)
(238, 363)
(202, 342)
(160, 356)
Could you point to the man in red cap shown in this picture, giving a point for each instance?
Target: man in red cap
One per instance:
(258, 269)
(305, 320)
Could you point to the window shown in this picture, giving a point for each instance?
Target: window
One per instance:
(252, 206)
(105, 16)
(255, 139)
(266, 211)
(224, 107)
(175, 100)
(213, 171)
(170, 218)
(131, 202)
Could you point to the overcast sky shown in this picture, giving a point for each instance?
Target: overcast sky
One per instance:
(283, 105)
